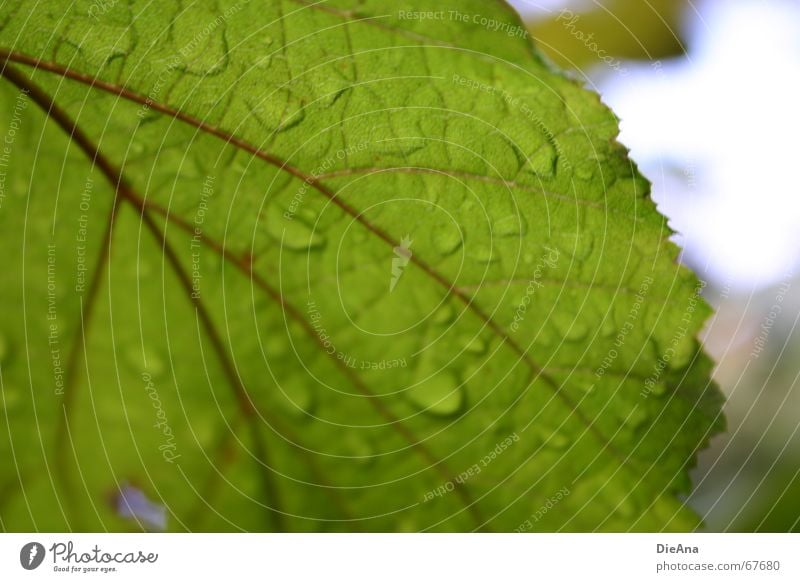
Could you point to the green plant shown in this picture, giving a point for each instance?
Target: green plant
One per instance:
(332, 266)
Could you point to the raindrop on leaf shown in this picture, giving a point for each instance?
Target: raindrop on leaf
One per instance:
(439, 394)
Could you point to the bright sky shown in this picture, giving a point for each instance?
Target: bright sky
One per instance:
(718, 133)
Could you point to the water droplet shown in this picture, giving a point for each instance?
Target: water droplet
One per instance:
(446, 240)
(504, 426)
(275, 345)
(577, 332)
(473, 344)
(407, 525)
(439, 394)
(659, 389)
(358, 449)
(263, 61)
(297, 397)
(585, 171)
(484, 254)
(513, 225)
(239, 165)
(11, 397)
(637, 417)
(295, 328)
(206, 432)
(627, 508)
(293, 233)
(444, 314)
(543, 160)
(144, 269)
(608, 328)
(359, 234)
(147, 361)
(556, 441)
(401, 148)
(154, 363)
(100, 42)
(308, 215)
(577, 246)
(569, 329)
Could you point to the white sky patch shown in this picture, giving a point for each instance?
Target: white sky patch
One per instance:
(538, 8)
(717, 131)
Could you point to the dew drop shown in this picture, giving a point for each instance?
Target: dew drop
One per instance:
(570, 330)
(467, 207)
(359, 234)
(473, 344)
(144, 270)
(584, 171)
(275, 345)
(577, 246)
(577, 332)
(627, 508)
(263, 62)
(636, 418)
(446, 240)
(504, 426)
(155, 364)
(556, 441)
(608, 328)
(439, 394)
(308, 215)
(298, 398)
(294, 234)
(295, 328)
(543, 161)
(239, 165)
(11, 397)
(485, 254)
(659, 389)
(206, 432)
(407, 525)
(358, 449)
(444, 314)
(512, 225)
(147, 361)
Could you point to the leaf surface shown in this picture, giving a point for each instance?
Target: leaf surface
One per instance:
(331, 267)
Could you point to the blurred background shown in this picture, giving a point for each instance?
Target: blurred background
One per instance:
(708, 93)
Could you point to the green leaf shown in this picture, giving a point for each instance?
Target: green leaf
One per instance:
(293, 266)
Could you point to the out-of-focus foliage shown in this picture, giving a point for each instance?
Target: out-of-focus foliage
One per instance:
(581, 34)
(749, 480)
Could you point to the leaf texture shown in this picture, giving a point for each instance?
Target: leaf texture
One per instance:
(332, 266)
